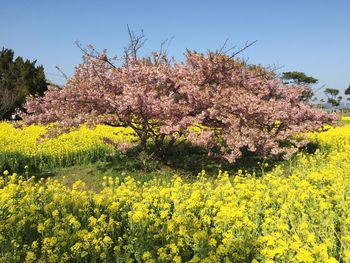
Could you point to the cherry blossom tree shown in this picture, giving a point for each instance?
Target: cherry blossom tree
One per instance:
(214, 100)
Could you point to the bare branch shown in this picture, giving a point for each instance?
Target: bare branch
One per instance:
(92, 52)
(135, 43)
(62, 73)
(246, 46)
(163, 51)
(223, 49)
(322, 87)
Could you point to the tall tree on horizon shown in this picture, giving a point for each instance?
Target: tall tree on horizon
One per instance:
(347, 92)
(332, 95)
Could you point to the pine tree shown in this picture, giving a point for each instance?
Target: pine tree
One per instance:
(18, 79)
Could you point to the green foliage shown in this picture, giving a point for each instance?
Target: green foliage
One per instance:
(298, 78)
(18, 79)
(347, 92)
(332, 96)
(331, 92)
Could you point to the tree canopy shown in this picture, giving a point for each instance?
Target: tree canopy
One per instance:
(298, 78)
(332, 96)
(347, 92)
(18, 79)
(214, 100)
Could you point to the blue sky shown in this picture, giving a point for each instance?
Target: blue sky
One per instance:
(309, 36)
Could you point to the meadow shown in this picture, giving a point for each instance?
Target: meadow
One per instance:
(290, 211)
(28, 148)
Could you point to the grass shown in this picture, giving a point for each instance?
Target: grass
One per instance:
(186, 162)
(345, 122)
(92, 175)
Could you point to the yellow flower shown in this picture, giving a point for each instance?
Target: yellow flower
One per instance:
(41, 228)
(304, 256)
(331, 260)
(212, 242)
(146, 255)
(55, 213)
(30, 257)
(107, 241)
(173, 248)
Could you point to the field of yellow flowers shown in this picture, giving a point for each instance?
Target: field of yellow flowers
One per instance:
(27, 147)
(299, 215)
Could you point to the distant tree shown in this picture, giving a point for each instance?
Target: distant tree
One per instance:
(332, 95)
(299, 78)
(347, 92)
(18, 79)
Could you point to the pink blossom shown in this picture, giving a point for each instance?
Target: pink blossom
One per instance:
(238, 106)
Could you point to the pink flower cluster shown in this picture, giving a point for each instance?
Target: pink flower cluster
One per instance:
(238, 107)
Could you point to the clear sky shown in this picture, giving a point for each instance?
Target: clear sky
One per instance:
(312, 36)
